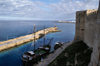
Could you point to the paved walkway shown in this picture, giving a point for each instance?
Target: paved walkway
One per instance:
(52, 56)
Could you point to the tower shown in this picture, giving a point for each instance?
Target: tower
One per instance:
(95, 57)
(99, 7)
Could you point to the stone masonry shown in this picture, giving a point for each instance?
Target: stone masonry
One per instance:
(88, 30)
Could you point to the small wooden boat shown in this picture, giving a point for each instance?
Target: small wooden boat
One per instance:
(57, 45)
(42, 51)
(29, 58)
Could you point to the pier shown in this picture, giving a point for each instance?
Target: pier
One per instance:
(24, 39)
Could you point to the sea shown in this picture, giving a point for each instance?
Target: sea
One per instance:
(10, 29)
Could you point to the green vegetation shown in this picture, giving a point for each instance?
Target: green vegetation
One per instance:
(77, 54)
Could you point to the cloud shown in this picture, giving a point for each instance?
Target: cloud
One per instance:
(62, 9)
(66, 9)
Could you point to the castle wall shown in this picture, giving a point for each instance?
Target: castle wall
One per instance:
(90, 23)
(80, 22)
(88, 31)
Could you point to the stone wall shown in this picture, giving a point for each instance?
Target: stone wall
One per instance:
(88, 30)
(80, 21)
(85, 26)
(90, 22)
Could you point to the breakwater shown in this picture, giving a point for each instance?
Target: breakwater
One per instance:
(23, 39)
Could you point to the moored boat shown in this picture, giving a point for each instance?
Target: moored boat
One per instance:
(31, 57)
(57, 45)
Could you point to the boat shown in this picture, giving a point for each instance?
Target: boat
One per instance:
(31, 57)
(58, 45)
(45, 49)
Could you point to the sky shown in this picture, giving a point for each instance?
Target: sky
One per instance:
(44, 9)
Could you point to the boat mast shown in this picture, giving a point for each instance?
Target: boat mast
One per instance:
(44, 36)
(34, 36)
(50, 41)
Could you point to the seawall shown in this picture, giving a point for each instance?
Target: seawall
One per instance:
(23, 39)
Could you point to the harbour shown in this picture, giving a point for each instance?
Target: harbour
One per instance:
(14, 54)
(49, 33)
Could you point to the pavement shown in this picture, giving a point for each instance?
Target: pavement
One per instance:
(52, 56)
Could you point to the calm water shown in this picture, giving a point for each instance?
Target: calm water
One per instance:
(13, 29)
